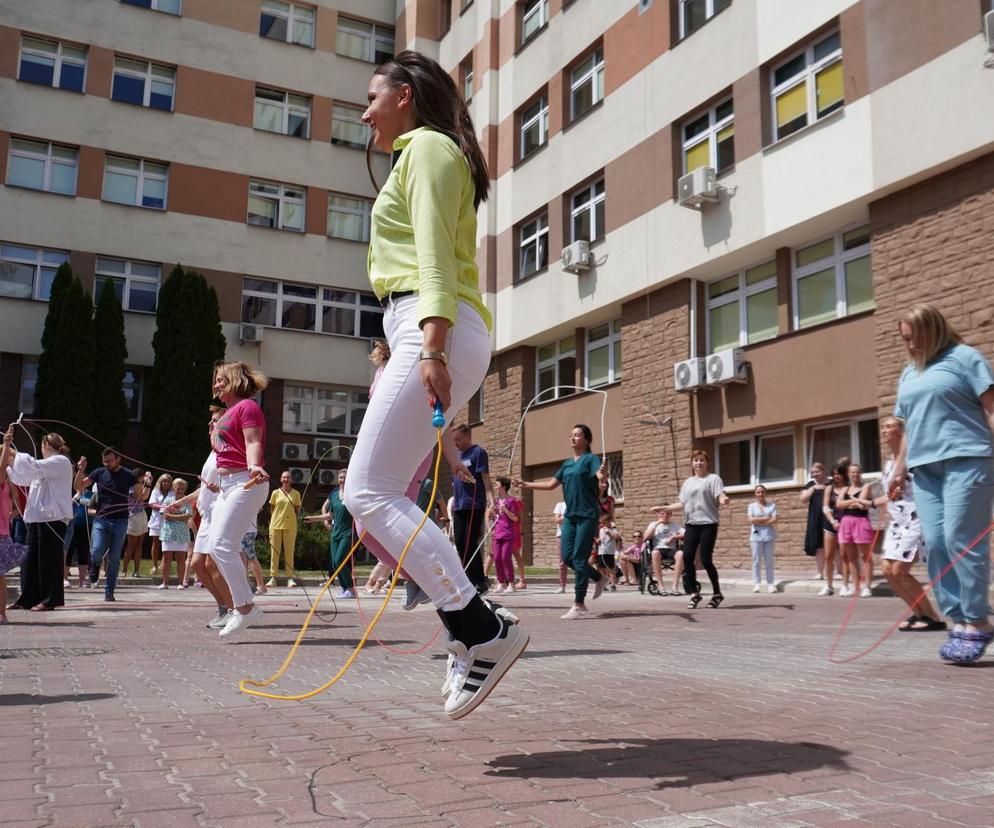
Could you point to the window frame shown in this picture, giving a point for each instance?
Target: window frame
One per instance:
(740, 295)
(806, 76)
(340, 142)
(366, 214)
(555, 362)
(539, 8)
(754, 438)
(612, 339)
(38, 264)
(281, 199)
(154, 6)
(541, 118)
(288, 109)
(466, 78)
(536, 239)
(22, 400)
(291, 18)
(616, 476)
(377, 33)
(142, 176)
(838, 260)
(589, 206)
(320, 302)
(352, 407)
(146, 79)
(59, 61)
(597, 54)
(709, 13)
(47, 158)
(129, 279)
(855, 449)
(715, 126)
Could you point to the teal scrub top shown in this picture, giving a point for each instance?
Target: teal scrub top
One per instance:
(342, 524)
(579, 480)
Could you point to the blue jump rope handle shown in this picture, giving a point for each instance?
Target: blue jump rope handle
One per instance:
(438, 419)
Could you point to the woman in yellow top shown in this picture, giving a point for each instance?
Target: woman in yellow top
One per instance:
(284, 505)
(422, 267)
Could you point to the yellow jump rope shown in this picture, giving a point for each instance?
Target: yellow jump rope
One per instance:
(246, 685)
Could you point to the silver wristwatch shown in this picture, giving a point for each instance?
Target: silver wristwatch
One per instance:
(439, 355)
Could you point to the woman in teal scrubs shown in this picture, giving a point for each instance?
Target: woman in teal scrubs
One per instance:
(579, 478)
(946, 398)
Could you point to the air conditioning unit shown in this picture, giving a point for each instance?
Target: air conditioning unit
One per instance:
(250, 334)
(989, 30)
(328, 477)
(295, 451)
(689, 374)
(728, 366)
(697, 188)
(299, 476)
(327, 450)
(576, 257)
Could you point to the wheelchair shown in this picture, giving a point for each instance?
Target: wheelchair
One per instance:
(647, 583)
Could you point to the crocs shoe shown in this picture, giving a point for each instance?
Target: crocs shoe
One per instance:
(951, 644)
(970, 646)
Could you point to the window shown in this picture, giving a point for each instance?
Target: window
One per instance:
(444, 18)
(137, 283)
(168, 6)
(758, 458)
(280, 206)
(133, 387)
(742, 308)
(287, 22)
(807, 86)
(587, 213)
(347, 128)
(143, 84)
(534, 126)
(364, 41)
(28, 272)
(857, 439)
(29, 380)
(534, 17)
(348, 218)
(52, 64)
(475, 414)
(555, 366)
(135, 181)
(466, 73)
(832, 278)
(318, 409)
(695, 13)
(533, 246)
(282, 112)
(39, 166)
(616, 476)
(604, 354)
(311, 308)
(586, 85)
(709, 140)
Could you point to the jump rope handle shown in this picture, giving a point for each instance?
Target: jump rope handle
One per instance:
(438, 419)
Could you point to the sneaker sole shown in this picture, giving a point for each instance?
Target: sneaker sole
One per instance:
(505, 664)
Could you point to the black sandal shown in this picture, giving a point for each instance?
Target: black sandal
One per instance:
(694, 601)
(715, 601)
(927, 625)
(905, 625)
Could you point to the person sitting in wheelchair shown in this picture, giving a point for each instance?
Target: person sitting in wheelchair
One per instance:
(663, 537)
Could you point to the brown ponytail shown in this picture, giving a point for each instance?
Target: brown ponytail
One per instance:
(55, 442)
(438, 104)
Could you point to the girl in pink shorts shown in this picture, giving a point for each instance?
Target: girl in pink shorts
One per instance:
(855, 530)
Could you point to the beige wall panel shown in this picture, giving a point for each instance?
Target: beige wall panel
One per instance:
(22, 321)
(779, 23)
(547, 426)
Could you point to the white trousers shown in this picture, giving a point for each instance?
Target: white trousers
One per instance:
(396, 434)
(233, 515)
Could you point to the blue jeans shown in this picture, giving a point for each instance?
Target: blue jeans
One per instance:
(954, 499)
(109, 535)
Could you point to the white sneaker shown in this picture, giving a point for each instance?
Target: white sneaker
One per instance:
(291, 583)
(220, 621)
(599, 588)
(755, 587)
(346, 593)
(866, 592)
(826, 590)
(771, 588)
(575, 612)
(160, 586)
(271, 582)
(477, 671)
(561, 590)
(240, 621)
(66, 584)
(846, 592)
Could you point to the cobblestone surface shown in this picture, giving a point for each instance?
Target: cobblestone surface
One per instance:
(645, 713)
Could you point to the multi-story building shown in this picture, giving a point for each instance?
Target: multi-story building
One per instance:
(225, 136)
(841, 164)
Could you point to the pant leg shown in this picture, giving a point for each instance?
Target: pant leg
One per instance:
(339, 551)
(30, 577)
(502, 560)
(757, 553)
(562, 564)
(578, 546)
(768, 547)
(275, 549)
(233, 516)
(691, 543)
(99, 542)
(968, 492)
(289, 545)
(118, 536)
(709, 535)
(930, 505)
(395, 436)
(474, 556)
(52, 561)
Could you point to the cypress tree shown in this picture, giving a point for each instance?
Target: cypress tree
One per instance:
(60, 285)
(110, 409)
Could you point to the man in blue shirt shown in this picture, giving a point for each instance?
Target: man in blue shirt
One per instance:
(471, 503)
(110, 526)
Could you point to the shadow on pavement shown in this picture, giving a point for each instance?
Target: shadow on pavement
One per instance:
(757, 606)
(30, 700)
(675, 763)
(610, 615)
(319, 642)
(552, 653)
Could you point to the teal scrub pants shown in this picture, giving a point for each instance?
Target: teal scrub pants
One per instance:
(339, 549)
(954, 499)
(576, 543)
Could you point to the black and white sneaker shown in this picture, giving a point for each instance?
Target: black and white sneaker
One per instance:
(476, 671)
(500, 612)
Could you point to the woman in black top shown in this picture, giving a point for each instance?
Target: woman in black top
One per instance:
(813, 496)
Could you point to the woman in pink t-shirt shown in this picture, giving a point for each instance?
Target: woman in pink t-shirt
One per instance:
(239, 442)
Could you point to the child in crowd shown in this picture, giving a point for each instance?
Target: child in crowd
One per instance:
(175, 535)
(252, 560)
(762, 514)
(608, 539)
(11, 553)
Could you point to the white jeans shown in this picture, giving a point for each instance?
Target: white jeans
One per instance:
(233, 515)
(396, 434)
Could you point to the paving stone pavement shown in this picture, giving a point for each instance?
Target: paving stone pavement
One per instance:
(645, 713)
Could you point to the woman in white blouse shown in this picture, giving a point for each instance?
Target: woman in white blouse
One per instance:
(48, 511)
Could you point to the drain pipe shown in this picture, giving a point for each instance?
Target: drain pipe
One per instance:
(693, 319)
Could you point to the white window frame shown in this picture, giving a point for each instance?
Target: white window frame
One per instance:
(708, 14)
(466, 68)
(59, 57)
(48, 158)
(539, 236)
(554, 362)
(371, 33)
(129, 279)
(22, 400)
(365, 213)
(533, 8)
(616, 476)
(339, 113)
(855, 455)
(150, 69)
(589, 206)
(264, 190)
(613, 338)
(710, 134)
(806, 76)
(138, 386)
(143, 175)
(590, 75)
(292, 14)
(541, 117)
(155, 7)
(288, 109)
(755, 439)
(319, 302)
(353, 407)
(740, 295)
(38, 263)
(838, 261)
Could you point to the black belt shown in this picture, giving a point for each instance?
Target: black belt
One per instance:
(394, 296)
